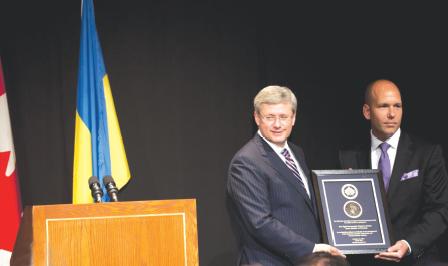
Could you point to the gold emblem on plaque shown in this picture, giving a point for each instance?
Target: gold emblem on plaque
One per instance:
(352, 209)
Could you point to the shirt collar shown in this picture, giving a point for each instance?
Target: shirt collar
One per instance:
(392, 141)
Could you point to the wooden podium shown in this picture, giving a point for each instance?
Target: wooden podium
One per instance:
(162, 232)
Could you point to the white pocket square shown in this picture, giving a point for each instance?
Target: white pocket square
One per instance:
(409, 175)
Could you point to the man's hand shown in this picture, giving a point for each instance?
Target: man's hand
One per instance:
(329, 249)
(394, 253)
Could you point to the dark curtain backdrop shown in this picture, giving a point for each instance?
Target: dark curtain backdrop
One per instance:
(183, 76)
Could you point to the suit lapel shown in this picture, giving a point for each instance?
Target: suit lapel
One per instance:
(301, 160)
(404, 153)
(284, 172)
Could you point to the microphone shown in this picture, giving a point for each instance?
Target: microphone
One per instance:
(111, 188)
(95, 187)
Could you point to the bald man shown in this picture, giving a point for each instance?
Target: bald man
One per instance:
(415, 179)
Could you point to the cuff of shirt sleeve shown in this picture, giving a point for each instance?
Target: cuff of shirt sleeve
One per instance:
(409, 246)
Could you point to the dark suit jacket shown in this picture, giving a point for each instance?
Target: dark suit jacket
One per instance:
(274, 218)
(417, 201)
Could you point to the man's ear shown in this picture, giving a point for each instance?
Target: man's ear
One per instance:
(366, 111)
(257, 118)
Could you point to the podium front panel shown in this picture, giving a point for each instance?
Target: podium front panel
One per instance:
(119, 233)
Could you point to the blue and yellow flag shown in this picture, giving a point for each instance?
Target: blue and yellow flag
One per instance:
(99, 149)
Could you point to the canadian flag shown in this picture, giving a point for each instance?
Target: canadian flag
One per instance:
(10, 206)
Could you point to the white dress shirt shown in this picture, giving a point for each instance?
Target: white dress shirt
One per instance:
(376, 150)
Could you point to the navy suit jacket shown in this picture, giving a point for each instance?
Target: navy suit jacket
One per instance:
(274, 218)
(418, 191)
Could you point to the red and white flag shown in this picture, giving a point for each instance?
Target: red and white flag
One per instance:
(10, 205)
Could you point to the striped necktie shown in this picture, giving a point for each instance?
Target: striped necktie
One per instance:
(292, 166)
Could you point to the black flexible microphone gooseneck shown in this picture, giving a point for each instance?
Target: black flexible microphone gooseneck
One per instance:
(111, 188)
(95, 188)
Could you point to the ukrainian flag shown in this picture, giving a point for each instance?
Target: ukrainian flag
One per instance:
(99, 149)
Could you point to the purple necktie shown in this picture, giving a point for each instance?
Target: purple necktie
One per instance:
(292, 166)
(384, 164)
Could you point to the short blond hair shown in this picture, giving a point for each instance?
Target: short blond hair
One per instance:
(275, 94)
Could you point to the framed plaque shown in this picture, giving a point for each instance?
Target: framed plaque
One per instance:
(352, 211)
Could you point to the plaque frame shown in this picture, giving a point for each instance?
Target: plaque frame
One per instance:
(373, 234)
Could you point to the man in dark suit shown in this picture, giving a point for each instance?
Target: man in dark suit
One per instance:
(414, 175)
(271, 201)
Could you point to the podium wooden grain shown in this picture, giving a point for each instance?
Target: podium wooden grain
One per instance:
(118, 233)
